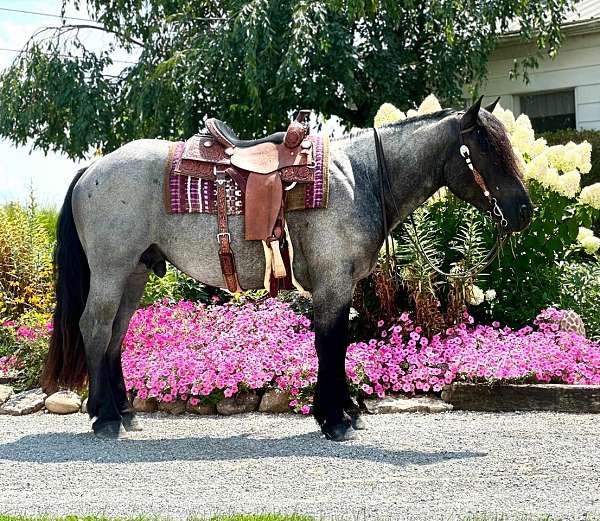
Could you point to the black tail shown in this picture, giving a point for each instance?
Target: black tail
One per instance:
(65, 364)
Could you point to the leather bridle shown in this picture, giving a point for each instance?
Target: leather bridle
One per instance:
(495, 210)
(466, 155)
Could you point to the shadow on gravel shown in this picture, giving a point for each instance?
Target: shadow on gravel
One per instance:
(69, 447)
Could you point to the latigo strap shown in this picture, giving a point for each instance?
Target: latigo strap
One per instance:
(225, 252)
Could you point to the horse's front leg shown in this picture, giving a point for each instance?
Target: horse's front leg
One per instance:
(332, 298)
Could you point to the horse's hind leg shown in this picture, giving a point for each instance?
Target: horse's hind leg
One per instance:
(134, 288)
(96, 324)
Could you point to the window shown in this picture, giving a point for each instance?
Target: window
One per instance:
(550, 111)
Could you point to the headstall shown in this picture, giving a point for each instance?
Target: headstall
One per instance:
(495, 210)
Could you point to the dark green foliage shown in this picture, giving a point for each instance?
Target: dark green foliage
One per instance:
(251, 63)
(176, 285)
(580, 291)
(562, 137)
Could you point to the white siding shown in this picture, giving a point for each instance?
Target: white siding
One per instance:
(577, 67)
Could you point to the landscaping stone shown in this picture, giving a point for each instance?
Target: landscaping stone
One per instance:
(63, 402)
(26, 402)
(5, 393)
(176, 407)
(275, 401)
(525, 397)
(572, 322)
(7, 379)
(84, 406)
(201, 408)
(238, 404)
(393, 405)
(148, 405)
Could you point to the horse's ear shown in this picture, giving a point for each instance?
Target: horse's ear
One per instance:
(469, 118)
(492, 106)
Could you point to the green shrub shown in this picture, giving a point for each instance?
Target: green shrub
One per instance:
(580, 291)
(25, 261)
(176, 285)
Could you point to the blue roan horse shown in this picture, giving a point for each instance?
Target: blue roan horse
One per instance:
(113, 221)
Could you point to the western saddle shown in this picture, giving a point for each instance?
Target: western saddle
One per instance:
(260, 168)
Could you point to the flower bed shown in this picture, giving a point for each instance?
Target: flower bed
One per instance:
(194, 352)
(187, 351)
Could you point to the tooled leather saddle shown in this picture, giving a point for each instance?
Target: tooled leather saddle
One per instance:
(263, 169)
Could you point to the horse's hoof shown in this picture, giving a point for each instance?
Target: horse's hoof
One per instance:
(358, 423)
(339, 432)
(131, 423)
(110, 431)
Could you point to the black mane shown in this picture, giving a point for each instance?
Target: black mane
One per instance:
(498, 140)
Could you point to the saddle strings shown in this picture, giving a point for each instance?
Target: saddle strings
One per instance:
(383, 172)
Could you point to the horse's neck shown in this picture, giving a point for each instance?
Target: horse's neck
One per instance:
(415, 154)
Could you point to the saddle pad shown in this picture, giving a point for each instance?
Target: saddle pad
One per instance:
(192, 194)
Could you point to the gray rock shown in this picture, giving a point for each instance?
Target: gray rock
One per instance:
(63, 402)
(403, 404)
(238, 404)
(204, 409)
(275, 401)
(26, 402)
(176, 407)
(572, 322)
(5, 393)
(84, 406)
(148, 405)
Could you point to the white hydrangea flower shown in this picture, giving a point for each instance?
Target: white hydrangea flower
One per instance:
(523, 121)
(536, 168)
(476, 296)
(507, 118)
(590, 195)
(585, 157)
(549, 178)
(591, 244)
(522, 138)
(538, 147)
(569, 184)
(584, 233)
(587, 240)
(490, 295)
(430, 104)
(388, 114)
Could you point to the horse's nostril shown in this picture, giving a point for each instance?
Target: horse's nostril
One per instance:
(525, 211)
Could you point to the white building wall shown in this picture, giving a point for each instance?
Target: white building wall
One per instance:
(577, 66)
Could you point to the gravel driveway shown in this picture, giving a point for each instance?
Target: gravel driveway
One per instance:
(409, 466)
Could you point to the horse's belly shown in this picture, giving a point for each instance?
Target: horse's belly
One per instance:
(189, 242)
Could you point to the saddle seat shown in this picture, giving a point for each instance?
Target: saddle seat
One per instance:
(259, 168)
(232, 139)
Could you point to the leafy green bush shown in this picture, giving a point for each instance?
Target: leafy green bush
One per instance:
(176, 285)
(25, 261)
(580, 291)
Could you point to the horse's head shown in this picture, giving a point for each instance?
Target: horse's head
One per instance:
(483, 170)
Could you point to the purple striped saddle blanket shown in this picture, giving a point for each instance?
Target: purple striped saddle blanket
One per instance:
(193, 194)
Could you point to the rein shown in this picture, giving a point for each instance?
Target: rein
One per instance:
(495, 208)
